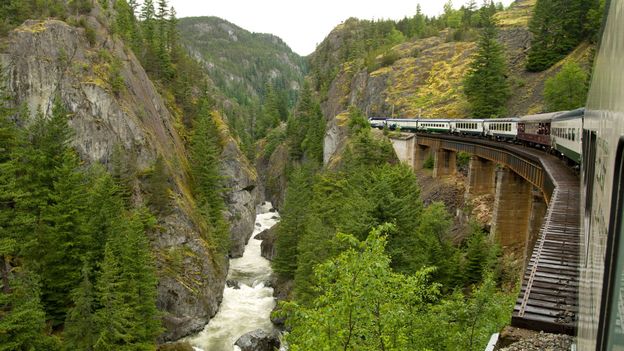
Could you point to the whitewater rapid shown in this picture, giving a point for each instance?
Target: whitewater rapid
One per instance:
(248, 308)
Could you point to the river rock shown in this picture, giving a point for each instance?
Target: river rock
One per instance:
(262, 235)
(232, 284)
(267, 247)
(258, 340)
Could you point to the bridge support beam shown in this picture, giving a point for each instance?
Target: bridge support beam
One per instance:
(404, 148)
(512, 209)
(481, 176)
(538, 213)
(445, 163)
(421, 154)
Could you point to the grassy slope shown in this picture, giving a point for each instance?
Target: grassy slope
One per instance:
(427, 79)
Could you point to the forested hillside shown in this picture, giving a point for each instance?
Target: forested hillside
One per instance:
(258, 73)
(363, 264)
(122, 189)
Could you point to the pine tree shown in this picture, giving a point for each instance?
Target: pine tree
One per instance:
(126, 291)
(207, 182)
(80, 325)
(486, 85)
(292, 223)
(558, 26)
(22, 320)
(63, 240)
(104, 206)
(173, 35)
(157, 187)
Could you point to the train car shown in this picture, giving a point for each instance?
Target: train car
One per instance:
(534, 130)
(434, 125)
(601, 286)
(467, 126)
(377, 122)
(501, 128)
(565, 134)
(405, 124)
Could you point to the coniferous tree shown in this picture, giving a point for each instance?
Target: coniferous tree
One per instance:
(208, 184)
(558, 26)
(158, 187)
(486, 85)
(63, 240)
(292, 223)
(80, 324)
(126, 291)
(22, 319)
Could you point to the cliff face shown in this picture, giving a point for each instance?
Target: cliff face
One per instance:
(44, 59)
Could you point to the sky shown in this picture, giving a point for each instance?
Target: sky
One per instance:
(304, 24)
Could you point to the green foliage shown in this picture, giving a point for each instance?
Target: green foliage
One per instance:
(253, 71)
(305, 131)
(568, 89)
(429, 162)
(486, 85)
(207, 182)
(80, 325)
(363, 305)
(292, 222)
(558, 26)
(158, 188)
(463, 158)
(22, 320)
(56, 216)
(126, 291)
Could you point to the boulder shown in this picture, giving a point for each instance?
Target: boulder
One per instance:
(258, 340)
(262, 235)
(232, 284)
(267, 247)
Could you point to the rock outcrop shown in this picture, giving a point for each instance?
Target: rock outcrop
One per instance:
(267, 247)
(241, 195)
(48, 59)
(258, 340)
(272, 171)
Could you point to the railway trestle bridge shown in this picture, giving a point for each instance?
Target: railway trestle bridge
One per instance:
(536, 209)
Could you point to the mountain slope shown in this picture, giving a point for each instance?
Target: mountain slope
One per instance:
(242, 63)
(52, 58)
(424, 77)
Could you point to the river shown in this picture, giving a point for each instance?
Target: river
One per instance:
(248, 308)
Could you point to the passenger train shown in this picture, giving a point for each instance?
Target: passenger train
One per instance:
(558, 131)
(594, 138)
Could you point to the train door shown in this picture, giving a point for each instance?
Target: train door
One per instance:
(611, 327)
(589, 172)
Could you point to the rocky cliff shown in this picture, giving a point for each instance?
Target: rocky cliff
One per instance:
(45, 59)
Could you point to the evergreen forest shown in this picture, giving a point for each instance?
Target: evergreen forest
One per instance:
(106, 249)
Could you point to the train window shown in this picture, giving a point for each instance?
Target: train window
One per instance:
(612, 309)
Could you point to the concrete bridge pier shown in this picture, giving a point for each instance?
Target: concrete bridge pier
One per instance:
(445, 163)
(421, 154)
(481, 177)
(512, 210)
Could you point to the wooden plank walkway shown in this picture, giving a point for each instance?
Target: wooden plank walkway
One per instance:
(548, 298)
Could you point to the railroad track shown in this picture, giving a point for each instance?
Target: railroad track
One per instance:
(548, 298)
